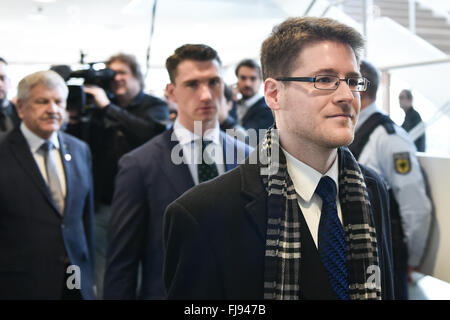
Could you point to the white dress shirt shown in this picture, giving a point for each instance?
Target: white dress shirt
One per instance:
(192, 147)
(305, 181)
(35, 142)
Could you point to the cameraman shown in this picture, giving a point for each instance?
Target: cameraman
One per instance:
(114, 128)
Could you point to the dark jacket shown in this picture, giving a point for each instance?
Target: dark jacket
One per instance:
(214, 237)
(113, 131)
(147, 182)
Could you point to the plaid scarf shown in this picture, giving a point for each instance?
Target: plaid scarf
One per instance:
(283, 239)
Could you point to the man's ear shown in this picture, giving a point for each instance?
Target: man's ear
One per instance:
(271, 92)
(170, 87)
(19, 108)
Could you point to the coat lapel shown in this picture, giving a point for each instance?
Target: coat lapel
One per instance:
(178, 175)
(25, 159)
(255, 196)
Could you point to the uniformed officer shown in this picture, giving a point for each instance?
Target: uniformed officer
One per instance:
(385, 147)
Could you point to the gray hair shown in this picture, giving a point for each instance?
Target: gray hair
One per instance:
(48, 78)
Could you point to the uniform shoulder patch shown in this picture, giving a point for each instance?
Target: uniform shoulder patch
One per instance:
(402, 162)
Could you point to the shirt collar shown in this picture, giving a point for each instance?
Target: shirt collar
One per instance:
(305, 178)
(186, 136)
(34, 141)
(365, 113)
(251, 101)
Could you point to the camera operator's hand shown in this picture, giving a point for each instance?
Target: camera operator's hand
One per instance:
(100, 98)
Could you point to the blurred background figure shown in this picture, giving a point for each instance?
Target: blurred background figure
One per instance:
(8, 114)
(113, 127)
(46, 200)
(412, 117)
(385, 147)
(251, 111)
(227, 122)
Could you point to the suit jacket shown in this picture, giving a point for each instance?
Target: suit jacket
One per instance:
(147, 182)
(214, 239)
(36, 241)
(258, 116)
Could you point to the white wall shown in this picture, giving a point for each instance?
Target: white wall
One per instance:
(436, 260)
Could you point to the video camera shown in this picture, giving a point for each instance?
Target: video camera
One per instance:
(78, 100)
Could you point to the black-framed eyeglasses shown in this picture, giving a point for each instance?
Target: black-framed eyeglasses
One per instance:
(326, 82)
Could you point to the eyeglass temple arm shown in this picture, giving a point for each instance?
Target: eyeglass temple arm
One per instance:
(301, 79)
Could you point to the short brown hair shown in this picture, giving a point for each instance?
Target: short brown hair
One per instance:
(196, 52)
(280, 50)
(132, 62)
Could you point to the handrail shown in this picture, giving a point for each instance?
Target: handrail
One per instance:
(313, 2)
(333, 4)
(415, 64)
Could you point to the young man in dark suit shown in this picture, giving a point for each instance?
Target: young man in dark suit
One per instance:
(157, 173)
(46, 200)
(301, 219)
(8, 114)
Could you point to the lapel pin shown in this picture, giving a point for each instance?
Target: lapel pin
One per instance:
(68, 157)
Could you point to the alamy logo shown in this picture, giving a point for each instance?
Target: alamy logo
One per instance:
(374, 279)
(232, 155)
(74, 280)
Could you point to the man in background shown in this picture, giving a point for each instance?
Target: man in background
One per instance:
(114, 127)
(46, 200)
(412, 118)
(251, 111)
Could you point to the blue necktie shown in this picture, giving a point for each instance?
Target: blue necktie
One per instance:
(52, 175)
(332, 248)
(207, 169)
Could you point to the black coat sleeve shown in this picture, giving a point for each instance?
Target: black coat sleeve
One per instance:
(379, 202)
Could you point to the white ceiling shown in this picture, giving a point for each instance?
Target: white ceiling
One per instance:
(38, 33)
(43, 32)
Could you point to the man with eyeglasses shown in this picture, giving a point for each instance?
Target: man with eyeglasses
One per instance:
(301, 219)
(385, 147)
